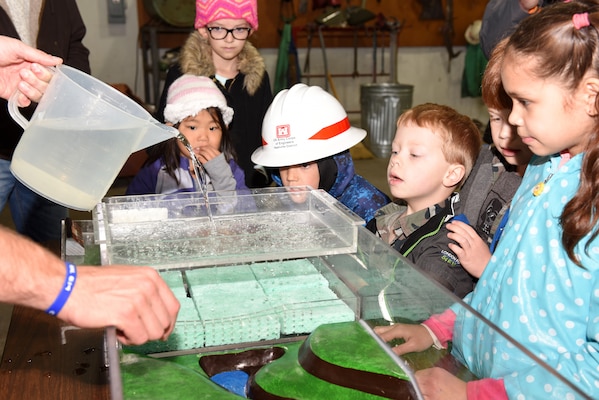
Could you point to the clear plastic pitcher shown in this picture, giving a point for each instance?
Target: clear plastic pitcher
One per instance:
(79, 138)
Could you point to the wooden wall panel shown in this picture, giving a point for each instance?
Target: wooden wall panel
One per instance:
(414, 30)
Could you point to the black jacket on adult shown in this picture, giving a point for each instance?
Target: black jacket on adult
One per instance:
(499, 21)
(248, 94)
(61, 33)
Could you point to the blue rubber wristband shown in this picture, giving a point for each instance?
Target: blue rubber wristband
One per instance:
(65, 292)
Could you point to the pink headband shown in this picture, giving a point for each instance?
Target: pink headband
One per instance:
(580, 20)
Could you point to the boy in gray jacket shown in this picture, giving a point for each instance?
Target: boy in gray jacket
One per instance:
(432, 154)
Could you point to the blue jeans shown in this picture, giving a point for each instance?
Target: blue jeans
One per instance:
(33, 215)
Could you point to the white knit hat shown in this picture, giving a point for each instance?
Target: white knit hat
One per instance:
(190, 94)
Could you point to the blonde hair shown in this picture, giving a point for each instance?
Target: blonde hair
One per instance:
(461, 137)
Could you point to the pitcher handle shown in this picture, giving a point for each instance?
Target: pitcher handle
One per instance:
(13, 110)
(13, 105)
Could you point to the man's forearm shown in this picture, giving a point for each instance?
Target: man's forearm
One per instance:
(31, 275)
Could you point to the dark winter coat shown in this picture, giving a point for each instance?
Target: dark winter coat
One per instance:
(499, 20)
(353, 190)
(61, 33)
(427, 247)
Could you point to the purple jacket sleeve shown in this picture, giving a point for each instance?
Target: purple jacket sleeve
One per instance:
(238, 174)
(144, 181)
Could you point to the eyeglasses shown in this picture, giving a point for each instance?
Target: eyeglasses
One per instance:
(219, 33)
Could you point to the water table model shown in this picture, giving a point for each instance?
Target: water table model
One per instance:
(278, 294)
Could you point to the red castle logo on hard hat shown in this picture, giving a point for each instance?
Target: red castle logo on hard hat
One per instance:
(283, 131)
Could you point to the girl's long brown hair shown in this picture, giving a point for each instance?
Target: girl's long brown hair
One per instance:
(563, 52)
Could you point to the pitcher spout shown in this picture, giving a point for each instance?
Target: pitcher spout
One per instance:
(156, 133)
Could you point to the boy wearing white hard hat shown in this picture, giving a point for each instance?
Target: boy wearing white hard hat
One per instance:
(306, 136)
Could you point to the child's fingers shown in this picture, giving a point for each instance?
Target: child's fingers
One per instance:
(208, 153)
(462, 229)
(457, 249)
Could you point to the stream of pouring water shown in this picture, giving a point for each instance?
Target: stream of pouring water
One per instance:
(200, 174)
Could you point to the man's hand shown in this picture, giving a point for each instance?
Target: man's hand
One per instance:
(133, 299)
(21, 68)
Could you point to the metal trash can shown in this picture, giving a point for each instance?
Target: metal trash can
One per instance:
(381, 105)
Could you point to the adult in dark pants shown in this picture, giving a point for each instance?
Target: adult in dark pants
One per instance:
(56, 27)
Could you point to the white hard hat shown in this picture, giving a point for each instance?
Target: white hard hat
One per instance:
(304, 124)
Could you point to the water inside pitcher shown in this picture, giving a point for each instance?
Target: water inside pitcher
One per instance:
(79, 137)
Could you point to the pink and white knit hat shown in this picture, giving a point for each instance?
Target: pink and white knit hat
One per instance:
(211, 10)
(190, 94)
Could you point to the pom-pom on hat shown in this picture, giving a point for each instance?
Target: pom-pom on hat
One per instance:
(190, 94)
(208, 11)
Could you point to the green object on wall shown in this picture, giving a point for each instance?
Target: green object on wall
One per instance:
(287, 71)
(474, 68)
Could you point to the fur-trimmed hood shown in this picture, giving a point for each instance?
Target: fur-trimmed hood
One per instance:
(196, 59)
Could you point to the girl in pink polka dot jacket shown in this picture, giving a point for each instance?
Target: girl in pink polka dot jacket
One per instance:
(541, 286)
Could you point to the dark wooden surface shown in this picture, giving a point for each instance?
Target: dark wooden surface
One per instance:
(45, 359)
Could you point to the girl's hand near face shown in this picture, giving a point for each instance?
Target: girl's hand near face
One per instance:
(207, 153)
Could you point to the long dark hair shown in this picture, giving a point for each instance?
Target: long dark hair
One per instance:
(170, 153)
(561, 51)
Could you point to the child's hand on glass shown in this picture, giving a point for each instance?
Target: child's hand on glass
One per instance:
(416, 337)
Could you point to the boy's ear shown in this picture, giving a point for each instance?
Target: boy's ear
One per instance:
(590, 93)
(454, 175)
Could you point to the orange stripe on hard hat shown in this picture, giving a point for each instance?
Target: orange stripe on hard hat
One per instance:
(332, 130)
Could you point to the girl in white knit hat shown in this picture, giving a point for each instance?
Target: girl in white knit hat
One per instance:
(198, 109)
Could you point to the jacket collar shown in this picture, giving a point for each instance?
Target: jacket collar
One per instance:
(196, 59)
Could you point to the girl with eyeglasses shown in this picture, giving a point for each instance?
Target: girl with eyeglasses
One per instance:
(219, 48)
